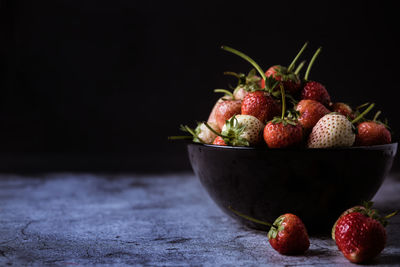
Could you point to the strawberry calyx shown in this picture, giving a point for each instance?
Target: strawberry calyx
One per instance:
(285, 74)
(249, 83)
(232, 132)
(366, 210)
(277, 227)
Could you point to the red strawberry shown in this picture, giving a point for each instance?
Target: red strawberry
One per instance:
(287, 235)
(290, 81)
(310, 113)
(219, 141)
(260, 105)
(280, 135)
(225, 109)
(315, 90)
(343, 109)
(371, 133)
(286, 75)
(283, 131)
(360, 235)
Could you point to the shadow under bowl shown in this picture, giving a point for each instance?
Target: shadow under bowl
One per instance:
(315, 184)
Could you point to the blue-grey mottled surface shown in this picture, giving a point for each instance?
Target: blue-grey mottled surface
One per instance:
(69, 219)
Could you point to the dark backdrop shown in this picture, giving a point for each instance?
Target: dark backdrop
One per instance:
(100, 84)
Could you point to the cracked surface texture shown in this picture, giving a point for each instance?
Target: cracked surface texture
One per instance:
(84, 219)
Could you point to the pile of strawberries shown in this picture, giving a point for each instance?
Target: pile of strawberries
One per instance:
(359, 233)
(283, 110)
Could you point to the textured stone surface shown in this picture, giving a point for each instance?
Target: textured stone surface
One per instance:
(66, 219)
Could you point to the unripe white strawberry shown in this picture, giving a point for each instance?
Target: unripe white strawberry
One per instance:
(332, 130)
(205, 134)
(242, 128)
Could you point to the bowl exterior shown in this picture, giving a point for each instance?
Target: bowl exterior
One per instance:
(315, 184)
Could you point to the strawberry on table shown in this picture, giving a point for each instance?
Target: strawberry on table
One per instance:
(315, 90)
(373, 132)
(287, 235)
(283, 131)
(360, 233)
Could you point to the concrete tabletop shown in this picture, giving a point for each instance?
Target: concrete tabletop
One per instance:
(85, 219)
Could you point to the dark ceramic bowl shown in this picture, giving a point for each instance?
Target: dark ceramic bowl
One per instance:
(315, 184)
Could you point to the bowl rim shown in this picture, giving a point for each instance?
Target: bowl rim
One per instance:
(265, 148)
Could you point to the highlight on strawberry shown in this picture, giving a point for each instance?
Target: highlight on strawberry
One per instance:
(287, 235)
(360, 233)
(286, 111)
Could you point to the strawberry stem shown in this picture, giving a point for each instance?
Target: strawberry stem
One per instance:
(362, 105)
(291, 66)
(359, 117)
(212, 130)
(226, 92)
(245, 57)
(390, 215)
(250, 218)
(231, 73)
(312, 62)
(283, 101)
(377, 115)
(187, 129)
(298, 69)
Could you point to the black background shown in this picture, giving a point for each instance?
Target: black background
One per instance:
(100, 84)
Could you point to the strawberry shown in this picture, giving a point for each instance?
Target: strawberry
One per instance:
(242, 130)
(343, 109)
(260, 105)
(373, 132)
(332, 130)
(287, 235)
(315, 90)
(281, 134)
(204, 133)
(225, 109)
(246, 84)
(360, 234)
(351, 210)
(310, 113)
(289, 78)
(219, 141)
(283, 131)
